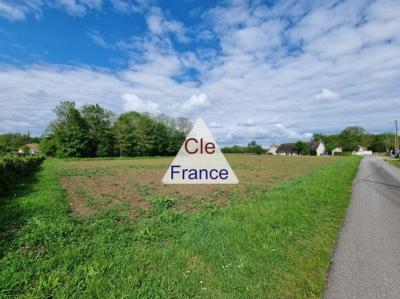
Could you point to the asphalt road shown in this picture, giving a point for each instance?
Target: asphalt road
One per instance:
(366, 262)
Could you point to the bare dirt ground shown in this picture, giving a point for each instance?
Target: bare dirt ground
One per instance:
(135, 183)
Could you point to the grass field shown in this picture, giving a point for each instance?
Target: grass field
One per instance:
(110, 233)
(395, 163)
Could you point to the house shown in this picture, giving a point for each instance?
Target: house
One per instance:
(272, 149)
(317, 147)
(337, 150)
(287, 149)
(362, 151)
(33, 148)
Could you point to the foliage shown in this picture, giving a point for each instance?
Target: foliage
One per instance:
(11, 142)
(93, 131)
(13, 167)
(142, 135)
(301, 148)
(351, 137)
(381, 143)
(251, 148)
(48, 145)
(101, 139)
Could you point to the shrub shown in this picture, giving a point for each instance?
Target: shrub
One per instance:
(14, 167)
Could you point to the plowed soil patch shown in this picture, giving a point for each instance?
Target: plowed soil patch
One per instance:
(134, 183)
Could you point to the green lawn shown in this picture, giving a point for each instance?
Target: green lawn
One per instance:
(276, 244)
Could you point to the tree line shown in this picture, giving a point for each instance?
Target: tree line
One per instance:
(251, 148)
(351, 137)
(93, 131)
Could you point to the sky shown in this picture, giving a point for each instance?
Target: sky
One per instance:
(270, 71)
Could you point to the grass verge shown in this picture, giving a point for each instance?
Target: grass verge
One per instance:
(395, 163)
(276, 244)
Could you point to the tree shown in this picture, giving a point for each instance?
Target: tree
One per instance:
(48, 145)
(351, 137)
(69, 132)
(255, 148)
(95, 132)
(183, 125)
(99, 123)
(330, 141)
(125, 129)
(382, 143)
(301, 148)
(251, 148)
(142, 134)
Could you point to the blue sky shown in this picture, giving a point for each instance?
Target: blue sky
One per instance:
(272, 71)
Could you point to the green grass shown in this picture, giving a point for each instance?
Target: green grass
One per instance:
(276, 244)
(395, 163)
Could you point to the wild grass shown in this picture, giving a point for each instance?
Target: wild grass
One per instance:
(276, 244)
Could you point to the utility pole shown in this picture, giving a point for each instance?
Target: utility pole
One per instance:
(396, 141)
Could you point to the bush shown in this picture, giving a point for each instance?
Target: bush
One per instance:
(13, 167)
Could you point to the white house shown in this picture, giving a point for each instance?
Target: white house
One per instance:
(362, 151)
(337, 150)
(318, 147)
(287, 149)
(272, 149)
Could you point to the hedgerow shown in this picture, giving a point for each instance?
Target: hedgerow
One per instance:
(14, 167)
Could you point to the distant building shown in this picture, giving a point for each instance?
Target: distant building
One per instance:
(33, 148)
(287, 149)
(337, 150)
(318, 147)
(362, 151)
(272, 149)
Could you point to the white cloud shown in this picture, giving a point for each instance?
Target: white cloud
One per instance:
(195, 104)
(160, 25)
(133, 103)
(291, 134)
(12, 11)
(248, 123)
(96, 37)
(19, 10)
(263, 70)
(45, 86)
(327, 94)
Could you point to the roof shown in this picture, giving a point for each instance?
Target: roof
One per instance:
(288, 147)
(285, 148)
(314, 144)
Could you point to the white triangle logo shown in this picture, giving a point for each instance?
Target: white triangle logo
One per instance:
(200, 161)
